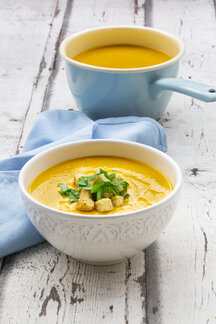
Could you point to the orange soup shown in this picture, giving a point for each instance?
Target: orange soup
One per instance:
(138, 185)
(122, 56)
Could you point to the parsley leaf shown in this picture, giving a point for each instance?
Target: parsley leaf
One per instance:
(124, 194)
(63, 187)
(121, 184)
(114, 187)
(110, 176)
(97, 186)
(71, 194)
(74, 195)
(84, 182)
(88, 179)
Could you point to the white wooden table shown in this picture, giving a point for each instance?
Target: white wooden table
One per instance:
(174, 280)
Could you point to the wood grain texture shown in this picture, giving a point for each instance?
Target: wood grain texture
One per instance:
(180, 269)
(42, 285)
(23, 33)
(46, 285)
(50, 287)
(41, 83)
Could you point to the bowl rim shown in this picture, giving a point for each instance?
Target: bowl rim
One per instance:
(176, 189)
(62, 51)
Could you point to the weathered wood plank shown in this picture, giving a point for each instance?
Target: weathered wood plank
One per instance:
(23, 31)
(41, 83)
(53, 287)
(181, 265)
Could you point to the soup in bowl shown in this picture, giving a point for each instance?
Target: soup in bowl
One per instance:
(97, 185)
(100, 201)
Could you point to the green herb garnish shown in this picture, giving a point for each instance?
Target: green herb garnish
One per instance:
(110, 176)
(114, 187)
(84, 182)
(64, 189)
(71, 194)
(121, 184)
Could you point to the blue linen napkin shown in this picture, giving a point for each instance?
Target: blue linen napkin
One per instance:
(51, 129)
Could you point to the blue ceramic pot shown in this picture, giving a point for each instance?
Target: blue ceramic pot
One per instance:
(107, 92)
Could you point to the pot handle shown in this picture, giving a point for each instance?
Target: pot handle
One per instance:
(194, 89)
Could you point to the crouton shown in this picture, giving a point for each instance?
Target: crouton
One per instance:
(107, 195)
(103, 205)
(100, 177)
(85, 203)
(117, 201)
(85, 194)
(119, 177)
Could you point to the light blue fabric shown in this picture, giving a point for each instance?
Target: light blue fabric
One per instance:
(51, 129)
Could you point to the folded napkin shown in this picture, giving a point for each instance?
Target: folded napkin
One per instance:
(51, 129)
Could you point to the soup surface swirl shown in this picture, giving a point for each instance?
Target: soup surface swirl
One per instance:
(147, 185)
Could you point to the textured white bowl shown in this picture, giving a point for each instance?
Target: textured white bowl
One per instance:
(100, 239)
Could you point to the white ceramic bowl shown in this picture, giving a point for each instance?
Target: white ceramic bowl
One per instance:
(100, 239)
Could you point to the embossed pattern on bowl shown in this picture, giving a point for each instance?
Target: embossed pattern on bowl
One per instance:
(100, 239)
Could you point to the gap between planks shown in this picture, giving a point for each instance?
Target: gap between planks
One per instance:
(1, 265)
(41, 84)
(39, 87)
(46, 66)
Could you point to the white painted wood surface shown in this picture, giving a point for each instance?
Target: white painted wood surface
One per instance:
(42, 285)
(46, 286)
(184, 260)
